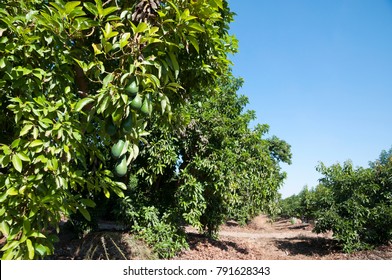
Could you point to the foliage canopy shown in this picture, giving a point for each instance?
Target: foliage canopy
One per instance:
(95, 96)
(355, 203)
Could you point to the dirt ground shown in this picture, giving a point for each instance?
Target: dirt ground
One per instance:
(263, 240)
(260, 240)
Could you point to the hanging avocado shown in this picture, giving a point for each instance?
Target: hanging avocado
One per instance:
(128, 123)
(136, 102)
(144, 108)
(121, 167)
(117, 148)
(110, 128)
(132, 88)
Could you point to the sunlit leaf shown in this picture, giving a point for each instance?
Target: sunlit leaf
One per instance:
(17, 163)
(82, 103)
(25, 129)
(30, 249)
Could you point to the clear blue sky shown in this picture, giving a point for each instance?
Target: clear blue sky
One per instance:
(320, 74)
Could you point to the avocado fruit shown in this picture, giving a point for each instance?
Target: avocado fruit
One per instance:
(137, 102)
(132, 88)
(117, 148)
(145, 108)
(110, 128)
(121, 167)
(128, 124)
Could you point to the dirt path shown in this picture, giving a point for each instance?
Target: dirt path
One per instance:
(262, 239)
(251, 235)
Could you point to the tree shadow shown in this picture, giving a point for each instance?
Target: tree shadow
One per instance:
(195, 239)
(100, 245)
(308, 246)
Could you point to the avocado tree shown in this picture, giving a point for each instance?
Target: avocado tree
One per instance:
(357, 205)
(80, 83)
(211, 168)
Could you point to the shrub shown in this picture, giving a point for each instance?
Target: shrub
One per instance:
(358, 208)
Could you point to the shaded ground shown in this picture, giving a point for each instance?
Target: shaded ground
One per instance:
(104, 245)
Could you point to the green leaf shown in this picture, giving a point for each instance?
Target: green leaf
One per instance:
(194, 43)
(39, 73)
(83, 102)
(15, 143)
(186, 16)
(23, 156)
(109, 10)
(163, 105)
(118, 192)
(142, 27)
(25, 129)
(4, 228)
(36, 234)
(124, 39)
(35, 132)
(219, 3)
(85, 213)
(6, 149)
(108, 31)
(124, 98)
(59, 8)
(97, 49)
(8, 254)
(91, 8)
(108, 79)
(9, 246)
(17, 163)
(88, 202)
(2, 63)
(106, 192)
(30, 249)
(26, 226)
(42, 250)
(46, 120)
(36, 143)
(12, 191)
(33, 211)
(121, 185)
(99, 7)
(196, 26)
(70, 6)
(3, 197)
(178, 14)
(175, 65)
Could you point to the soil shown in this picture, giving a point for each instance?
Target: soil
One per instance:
(259, 240)
(266, 240)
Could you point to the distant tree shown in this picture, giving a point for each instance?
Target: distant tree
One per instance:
(358, 204)
(384, 158)
(290, 206)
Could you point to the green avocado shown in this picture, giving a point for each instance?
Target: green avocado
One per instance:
(117, 148)
(127, 124)
(110, 128)
(132, 88)
(136, 103)
(145, 107)
(121, 167)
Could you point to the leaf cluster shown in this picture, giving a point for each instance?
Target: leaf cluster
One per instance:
(354, 203)
(70, 72)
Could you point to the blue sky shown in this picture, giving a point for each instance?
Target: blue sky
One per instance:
(320, 74)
